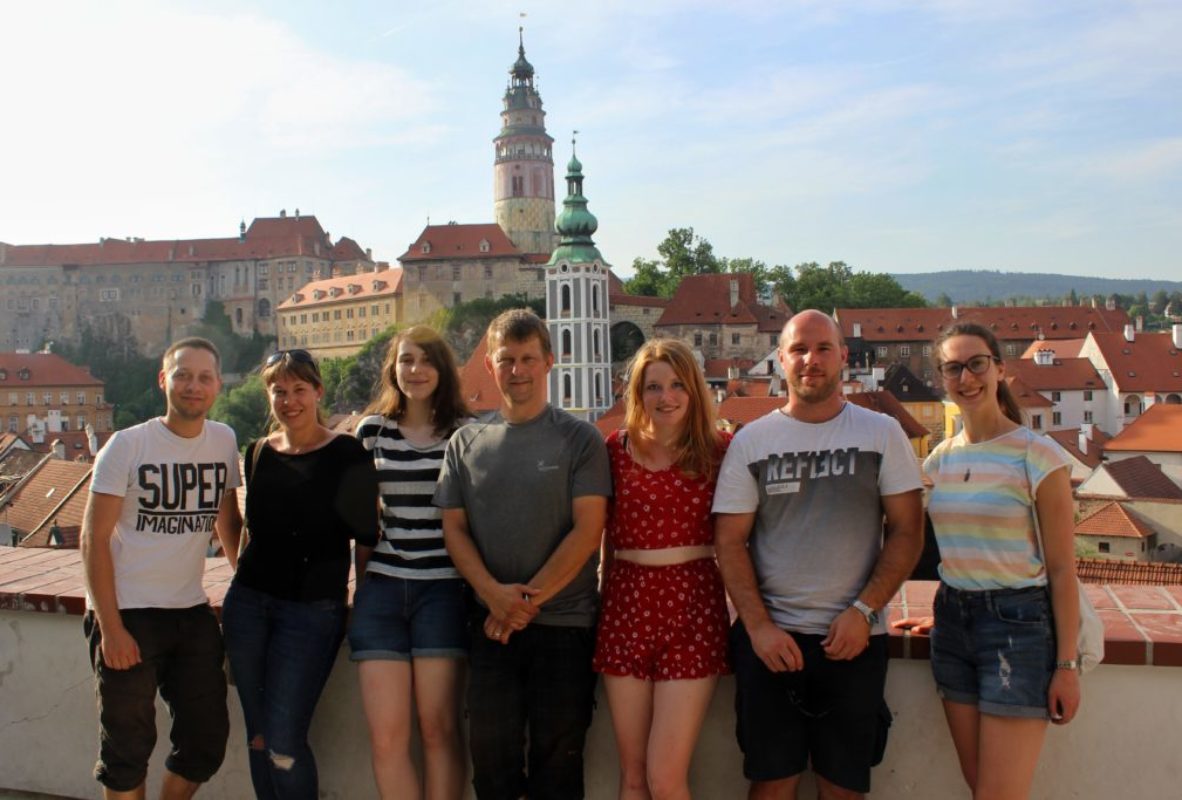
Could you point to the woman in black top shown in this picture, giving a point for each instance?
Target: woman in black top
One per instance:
(309, 493)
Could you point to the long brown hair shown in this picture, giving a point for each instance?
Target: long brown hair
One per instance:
(697, 448)
(447, 404)
(1005, 398)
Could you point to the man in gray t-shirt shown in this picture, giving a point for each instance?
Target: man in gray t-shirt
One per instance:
(801, 500)
(524, 499)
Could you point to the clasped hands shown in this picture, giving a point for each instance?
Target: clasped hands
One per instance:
(849, 635)
(510, 609)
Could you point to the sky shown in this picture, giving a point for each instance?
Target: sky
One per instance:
(895, 135)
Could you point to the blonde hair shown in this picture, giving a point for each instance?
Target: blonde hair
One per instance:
(697, 450)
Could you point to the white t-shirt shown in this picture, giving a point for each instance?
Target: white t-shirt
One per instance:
(172, 488)
(817, 492)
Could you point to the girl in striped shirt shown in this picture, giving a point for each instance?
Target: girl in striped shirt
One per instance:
(409, 625)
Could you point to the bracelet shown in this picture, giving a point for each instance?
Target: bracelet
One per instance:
(1072, 664)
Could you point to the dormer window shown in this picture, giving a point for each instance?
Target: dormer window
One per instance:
(484, 245)
(24, 374)
(3, 374)
(353, 288)
(297, 298)
(335, 291)
(378, 285)
(317, 294)
(426, 248)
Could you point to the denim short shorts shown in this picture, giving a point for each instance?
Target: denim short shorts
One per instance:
(994, 649)
(395, 619)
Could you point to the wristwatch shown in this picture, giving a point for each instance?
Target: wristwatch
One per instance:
(1071, 664)
(866, 611)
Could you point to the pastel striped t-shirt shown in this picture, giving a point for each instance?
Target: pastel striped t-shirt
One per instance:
(411, 545)
(982, 508)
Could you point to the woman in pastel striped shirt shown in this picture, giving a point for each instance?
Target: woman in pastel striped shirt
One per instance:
(1007, 610)
(409, 629)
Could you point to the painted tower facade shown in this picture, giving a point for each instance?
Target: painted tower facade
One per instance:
(523, 165)
(577, 308)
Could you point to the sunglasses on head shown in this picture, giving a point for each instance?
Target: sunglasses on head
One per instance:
(977, 365)
(298, 356)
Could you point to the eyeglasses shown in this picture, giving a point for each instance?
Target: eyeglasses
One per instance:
(298, 356)
(978, 365)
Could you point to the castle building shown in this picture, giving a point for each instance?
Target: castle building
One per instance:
(335, 317)
(577, 308)
(42, 393)
(148, 293)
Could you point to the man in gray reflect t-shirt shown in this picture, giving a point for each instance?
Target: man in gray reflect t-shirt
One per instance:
(524, 499)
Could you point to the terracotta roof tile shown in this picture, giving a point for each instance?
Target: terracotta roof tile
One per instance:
(345, 287)
(1025, 394)
(1149, 363)
(717, 369)
(460, 241)
(706, 300)
(1069, 441)
(45, 369)
(1020, 322)
(347, 250)
(1064, 374)
(742, 410)
(612, 419)
(57, 490)
(1113, 519)
(478, 385)
(1141, 478)
(751, 387)
(1137, 573)
(1157, 430)
(886, 403)
(638, 300)
(16, 464)
(1064, 348)
(904, 385)
(76, 443)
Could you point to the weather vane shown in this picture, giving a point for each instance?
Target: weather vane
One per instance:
(573, 136)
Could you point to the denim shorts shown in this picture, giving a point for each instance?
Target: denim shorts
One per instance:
(994, 649)
(395, 619)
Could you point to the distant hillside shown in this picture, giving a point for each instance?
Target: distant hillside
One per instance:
(968, 286)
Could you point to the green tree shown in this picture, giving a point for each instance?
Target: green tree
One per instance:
(244, 408)
(944, 300)
(685, 253)
(239, 353)
(351, 382)
(462, 325)
(129, 379)
(648, 279)
(1159, 301)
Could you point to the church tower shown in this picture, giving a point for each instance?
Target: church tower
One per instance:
(577, 308)
(523, 167)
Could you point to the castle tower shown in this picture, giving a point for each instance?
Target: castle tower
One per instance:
(523, 168)
(577, 308)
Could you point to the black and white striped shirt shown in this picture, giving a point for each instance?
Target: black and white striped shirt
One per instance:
(411, 545)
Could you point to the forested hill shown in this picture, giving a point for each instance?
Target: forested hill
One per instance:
(965, 286)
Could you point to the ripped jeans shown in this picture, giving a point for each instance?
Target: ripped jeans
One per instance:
(281, 653)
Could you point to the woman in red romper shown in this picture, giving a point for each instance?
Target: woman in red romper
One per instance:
(662, 637)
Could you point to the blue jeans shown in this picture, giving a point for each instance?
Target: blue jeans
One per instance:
(542, 678)
(281, 653)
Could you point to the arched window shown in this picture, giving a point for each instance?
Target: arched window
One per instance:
(238, 316)
(567, 389)
(264, 307)
(595, 301)
(567, 345)
(565, 307)
(595, 344)
(598, 389)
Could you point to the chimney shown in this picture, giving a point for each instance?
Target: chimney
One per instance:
(1093, 301)
(1130, 332)
(1083, 442)
(1140, 323)
(732, 372)
(734, 292)
(242, 231)
(1086, 429)
(879, 376)
(369, 253)
(59, 449)
(297, 213)
(1177, 330)
(857, 330)
(283, 213)
(955, 312)
(91, 440)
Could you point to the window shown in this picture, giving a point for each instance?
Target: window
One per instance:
(1036, 421)
(565, 295)
(736, 338)
(12, 423)
(927, 350)
(1056, 418)
(262, 283)
(1011, 350)
(697, 340)
(457, 273)
(713, 339)
(374, 308)
(361, 312)
(315, 316)
(48, 398)
(348, 313)
(1056, 397)
(65, 398)
(488, 270)
(336, 314)
(263, 269)
(904, 351)
(81, 421)
(1104, 547)
(303, 318)
(12, 398)
(882, 351)
(81, 398)
(772, 338)
(518, 185)
(1087, 395)
(1087, 416)
(567, 344)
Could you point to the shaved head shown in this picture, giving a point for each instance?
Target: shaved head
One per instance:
(810, 315)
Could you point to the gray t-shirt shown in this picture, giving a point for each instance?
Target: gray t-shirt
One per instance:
(816, 490)
(517, 482)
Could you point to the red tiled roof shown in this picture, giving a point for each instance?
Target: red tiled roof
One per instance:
(886, 403)
(1069, 441)
(1115, 572)
(477, 383)
(460, 241)
(1149, 363)
(638, 300)
(612, 419)
(706, 300)
(1064, 374)
(751, 387)
(719, 368)
(77, 443)
(16, 464)
(742, 410)
(12, 440)
(45, 369)
(1064, 348)
(267, 237)
(343, 288)
(1157, 430)
(1141, 478)
(347, 250)
(56, 491)
(1028, 322)
(1026, 396)
(1112, 519)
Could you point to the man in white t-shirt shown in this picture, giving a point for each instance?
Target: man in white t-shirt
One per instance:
(801, 500)
(158, 492)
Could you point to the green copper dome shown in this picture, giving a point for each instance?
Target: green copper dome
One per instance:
(575, 224)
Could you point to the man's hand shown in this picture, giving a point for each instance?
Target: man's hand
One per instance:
(510, 603)
(119, 648)
(849, 635)
(776, 648)
(918, 626)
